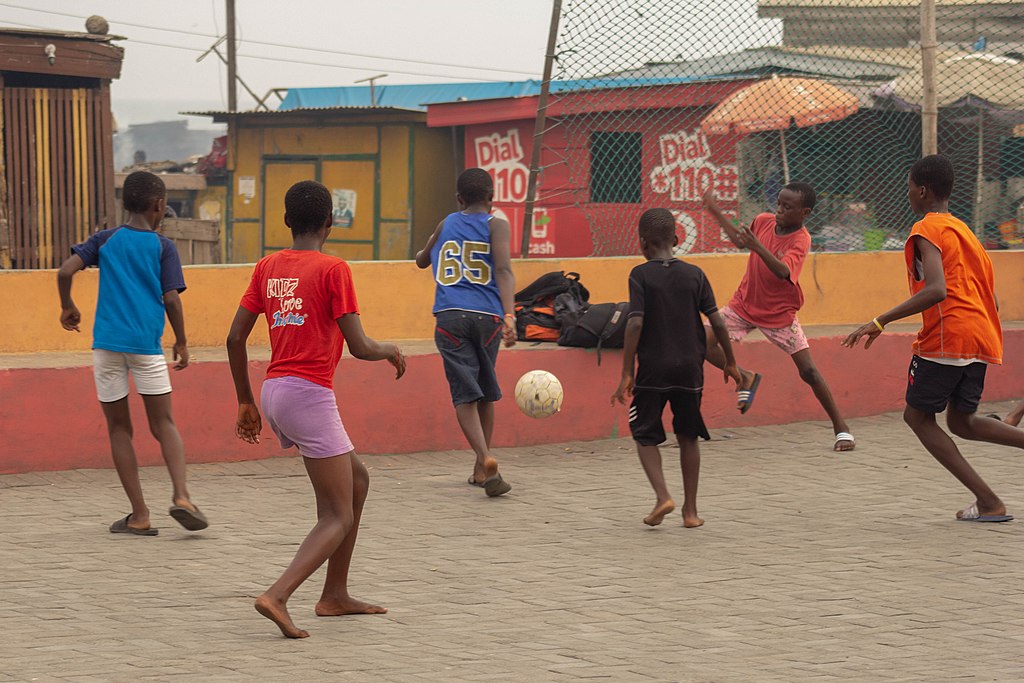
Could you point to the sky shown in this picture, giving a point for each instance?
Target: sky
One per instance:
(337, 42)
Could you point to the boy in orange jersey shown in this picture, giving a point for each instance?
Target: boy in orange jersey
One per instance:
(953, 287)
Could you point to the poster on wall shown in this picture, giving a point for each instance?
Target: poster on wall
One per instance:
(344, 207)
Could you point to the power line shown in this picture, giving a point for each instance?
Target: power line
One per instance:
(287, 46)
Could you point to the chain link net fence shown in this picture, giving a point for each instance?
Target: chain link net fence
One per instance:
(659, 101)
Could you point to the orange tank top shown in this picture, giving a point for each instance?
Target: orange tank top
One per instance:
(965, 326)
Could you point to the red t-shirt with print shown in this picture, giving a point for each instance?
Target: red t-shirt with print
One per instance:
(763, 298)
(302, 294)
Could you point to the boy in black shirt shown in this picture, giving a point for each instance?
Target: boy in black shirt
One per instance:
(666, 298)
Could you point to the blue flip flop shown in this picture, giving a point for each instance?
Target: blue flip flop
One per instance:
(746, 396)
(970, 514)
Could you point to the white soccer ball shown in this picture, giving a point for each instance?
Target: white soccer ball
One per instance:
(539, 394)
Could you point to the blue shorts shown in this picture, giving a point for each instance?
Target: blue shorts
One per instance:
(468, 343)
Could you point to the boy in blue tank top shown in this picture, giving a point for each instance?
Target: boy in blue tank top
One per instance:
(470, 254)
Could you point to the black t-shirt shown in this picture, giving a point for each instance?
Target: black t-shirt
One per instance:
(670, 295)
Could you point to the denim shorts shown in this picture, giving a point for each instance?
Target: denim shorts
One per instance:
(468, 343)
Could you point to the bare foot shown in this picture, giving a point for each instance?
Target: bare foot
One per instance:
(692, 521)
(278, 613)
(659, 512)
(338, 608)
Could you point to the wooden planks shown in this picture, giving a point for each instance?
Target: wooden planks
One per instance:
(58, 160)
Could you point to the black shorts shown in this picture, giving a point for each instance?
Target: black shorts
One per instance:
(932, 386)
(645, 416)
(469, 343)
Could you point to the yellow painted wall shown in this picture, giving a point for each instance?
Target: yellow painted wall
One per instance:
(396, 297)
(434, 181)
(252, 150)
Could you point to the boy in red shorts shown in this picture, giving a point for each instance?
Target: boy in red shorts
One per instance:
(769, 296)
(310, 304)
(952, 286)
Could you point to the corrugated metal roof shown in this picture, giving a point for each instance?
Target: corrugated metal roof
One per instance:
(417, 97)
(767, 60)
(278, 112)
(99, 38)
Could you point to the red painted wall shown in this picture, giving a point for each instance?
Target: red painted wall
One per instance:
(49, 418)
(678, 163)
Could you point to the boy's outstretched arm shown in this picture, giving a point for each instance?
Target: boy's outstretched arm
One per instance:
(933, 292)
(248, 422)
(70, 317)
(634, 326)
(501, 252)
(718, 326)
(775, 264)
(423, 255)
(712, 207)
(364, 348)
(176, 316)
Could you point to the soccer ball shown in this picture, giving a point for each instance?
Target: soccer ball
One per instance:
(539, 394)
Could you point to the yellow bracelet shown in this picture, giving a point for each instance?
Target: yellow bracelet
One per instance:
(880, 326)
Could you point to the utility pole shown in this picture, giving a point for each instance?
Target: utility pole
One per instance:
(538, 128)
(930, 107)
(232, 64)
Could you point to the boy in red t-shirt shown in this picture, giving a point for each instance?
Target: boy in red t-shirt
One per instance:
(952, 286)
(769, 295)
(310, 304)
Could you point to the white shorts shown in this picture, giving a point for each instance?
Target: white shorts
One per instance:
(110, 369)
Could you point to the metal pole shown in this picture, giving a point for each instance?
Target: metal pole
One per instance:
(930, 107)
(538, 127)
(232, 59)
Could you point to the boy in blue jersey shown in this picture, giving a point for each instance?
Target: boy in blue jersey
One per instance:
(471, 257)
(140, 279)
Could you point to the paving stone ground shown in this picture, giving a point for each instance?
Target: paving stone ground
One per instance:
(812, 566)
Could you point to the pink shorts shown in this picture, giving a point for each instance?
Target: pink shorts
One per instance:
(790, 339)
(304, 414)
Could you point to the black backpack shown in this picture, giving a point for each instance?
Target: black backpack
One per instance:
(600, 326)
(536, 318)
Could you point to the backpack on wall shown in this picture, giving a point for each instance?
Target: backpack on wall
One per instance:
(600, 326)
(536, 318)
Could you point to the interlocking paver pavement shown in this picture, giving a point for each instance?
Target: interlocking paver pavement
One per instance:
(812, 566)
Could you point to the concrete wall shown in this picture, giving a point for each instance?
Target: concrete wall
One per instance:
(396, 297)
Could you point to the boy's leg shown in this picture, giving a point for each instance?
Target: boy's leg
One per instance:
(809, 373)
(650, 459)
(469, 417)
(1016, 415)
(119, 427)
(647, 430)
(154, 384)
(333, 486)
(688, 425)
(967, 425)
(468, 346)
(689, 461)
(163, 429)
(945, 451)
(335, 600)
(738, 329)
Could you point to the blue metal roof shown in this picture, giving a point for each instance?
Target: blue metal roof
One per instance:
(416, 97)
